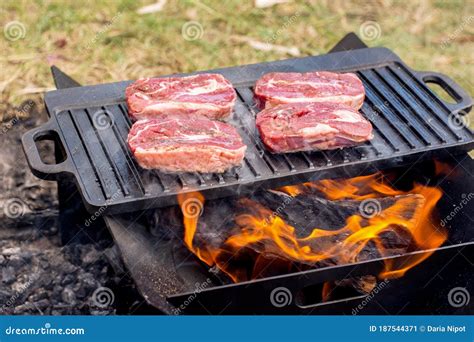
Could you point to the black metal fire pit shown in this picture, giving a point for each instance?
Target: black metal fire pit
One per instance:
(411, 125)
(168, 274)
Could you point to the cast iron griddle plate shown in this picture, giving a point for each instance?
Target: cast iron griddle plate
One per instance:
(410, 122)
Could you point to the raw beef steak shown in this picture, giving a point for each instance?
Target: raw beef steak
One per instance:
(311, 126)
(320, 86)
(178, 144)
(209, 95)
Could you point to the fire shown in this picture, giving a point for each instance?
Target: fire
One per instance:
(192, 205)
(445, 169)
(382, 210)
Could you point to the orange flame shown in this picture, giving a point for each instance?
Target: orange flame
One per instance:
(445, 169)
(410, 213)
(192, 205)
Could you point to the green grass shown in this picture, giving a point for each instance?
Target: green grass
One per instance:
(110, 42)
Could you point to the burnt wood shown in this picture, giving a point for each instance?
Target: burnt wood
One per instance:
(304, 213)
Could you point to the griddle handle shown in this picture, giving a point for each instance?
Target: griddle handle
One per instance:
(462, 98)
(40, 169)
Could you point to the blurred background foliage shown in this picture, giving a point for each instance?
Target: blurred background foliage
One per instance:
(106, 41)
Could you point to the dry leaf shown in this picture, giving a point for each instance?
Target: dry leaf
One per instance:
(262, 46)
(60, 43)
(34, 90)
(269, 3)
(156, 7)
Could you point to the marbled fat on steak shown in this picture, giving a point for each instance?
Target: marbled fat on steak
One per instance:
(208, 95)
(311, 126)
(179, 144)
(319, 86)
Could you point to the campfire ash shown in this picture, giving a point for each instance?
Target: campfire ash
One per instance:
(39, 275)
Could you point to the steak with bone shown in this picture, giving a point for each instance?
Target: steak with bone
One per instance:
(319, 86)
(179, 144)
(208, 95)
(311, 126)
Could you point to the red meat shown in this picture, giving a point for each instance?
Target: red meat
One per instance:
(320, 86)
(208, 95)
(311, 126)
(178, 144)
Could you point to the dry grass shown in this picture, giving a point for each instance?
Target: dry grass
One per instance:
(107, 42)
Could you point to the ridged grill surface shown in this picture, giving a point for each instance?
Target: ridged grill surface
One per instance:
(408, 119)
